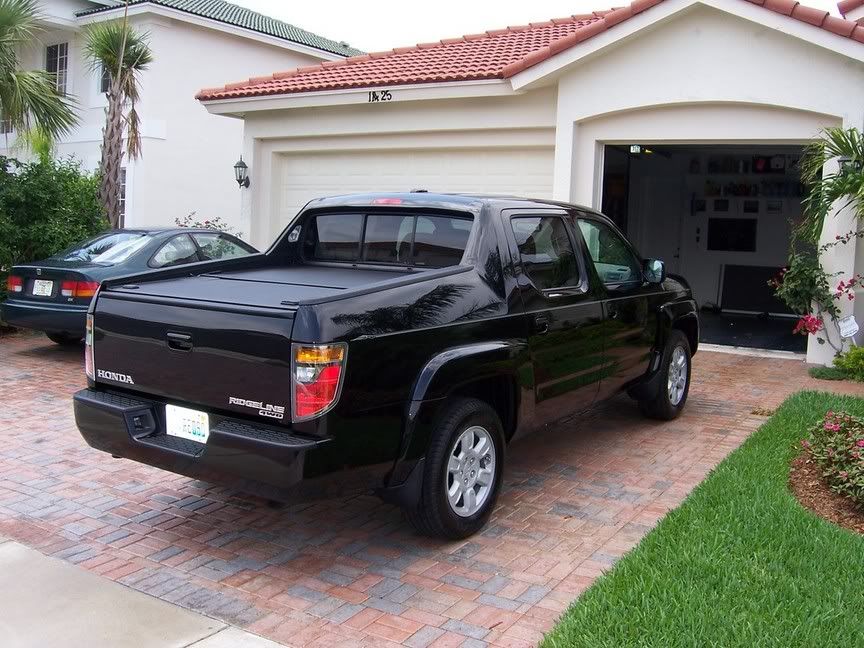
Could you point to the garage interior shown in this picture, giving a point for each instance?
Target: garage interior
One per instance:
(720, 216)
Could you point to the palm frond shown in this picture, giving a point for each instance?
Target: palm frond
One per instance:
(133, 134)
(106, 43)
(29, 99)
(843, 187)
(36, 140)
(125, 53)
(18, 21)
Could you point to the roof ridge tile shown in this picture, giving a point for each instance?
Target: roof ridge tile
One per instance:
(809, 15)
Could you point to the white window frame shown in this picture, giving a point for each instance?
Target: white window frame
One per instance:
(67, 76)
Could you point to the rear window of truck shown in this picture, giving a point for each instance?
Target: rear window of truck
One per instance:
(400, 239)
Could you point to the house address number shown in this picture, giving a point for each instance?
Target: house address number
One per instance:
(377, 96)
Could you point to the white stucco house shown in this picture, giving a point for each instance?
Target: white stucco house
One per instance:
(683, 120)
(188, 154)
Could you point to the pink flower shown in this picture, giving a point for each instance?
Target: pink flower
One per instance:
(832, 427)
(808, 324)
(843, 474)
(805, 443)
(860, 443)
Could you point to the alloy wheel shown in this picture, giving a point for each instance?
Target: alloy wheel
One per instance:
(471, 470)
(677, 377)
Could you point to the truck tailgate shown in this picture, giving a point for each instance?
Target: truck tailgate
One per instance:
(197, 357)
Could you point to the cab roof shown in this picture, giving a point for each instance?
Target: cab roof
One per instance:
(437, 200)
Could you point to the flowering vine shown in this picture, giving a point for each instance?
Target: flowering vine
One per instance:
(810, 292)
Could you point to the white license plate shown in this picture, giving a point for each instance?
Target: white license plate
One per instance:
(187, 423)
(43, 288)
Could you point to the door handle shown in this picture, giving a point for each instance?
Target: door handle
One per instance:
(541, 325)
(179, 341)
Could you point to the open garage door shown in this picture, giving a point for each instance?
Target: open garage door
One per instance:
(721, 216)
(301, 177)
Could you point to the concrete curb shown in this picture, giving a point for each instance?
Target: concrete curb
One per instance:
(48, 602)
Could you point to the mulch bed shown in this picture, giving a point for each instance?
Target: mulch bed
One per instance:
(813, 493)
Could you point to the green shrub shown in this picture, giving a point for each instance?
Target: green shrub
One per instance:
(837, 445)
(45, 207)
(852, 363)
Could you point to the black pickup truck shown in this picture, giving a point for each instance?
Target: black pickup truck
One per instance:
(395, 342)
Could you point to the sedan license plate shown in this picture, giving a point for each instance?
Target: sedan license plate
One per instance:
(187, 423)
(43, 288)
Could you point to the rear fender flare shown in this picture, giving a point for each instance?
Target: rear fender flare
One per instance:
(443, 374)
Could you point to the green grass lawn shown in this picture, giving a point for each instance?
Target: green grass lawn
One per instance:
(739, 563)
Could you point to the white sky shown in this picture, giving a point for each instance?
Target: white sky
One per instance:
(376, 25)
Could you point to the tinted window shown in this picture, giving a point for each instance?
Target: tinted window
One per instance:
(101, 246)
(612, 257)
(440, 242)
(388, 238)
(546, 251)
(218, 246)
(429, 241)
(334, 237)
(178, 250)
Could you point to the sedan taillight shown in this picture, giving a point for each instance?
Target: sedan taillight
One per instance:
(79, 288)
(14, 284)
(318, 372)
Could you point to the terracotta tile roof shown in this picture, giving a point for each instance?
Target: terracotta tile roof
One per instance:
(845, 6)
(497, 54)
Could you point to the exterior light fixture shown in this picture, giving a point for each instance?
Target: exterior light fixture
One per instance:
(241, 173)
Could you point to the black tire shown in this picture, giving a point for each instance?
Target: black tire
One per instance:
(433, 514)
(65, 339)
(661, 405)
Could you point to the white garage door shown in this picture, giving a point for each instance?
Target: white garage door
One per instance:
(521, 172)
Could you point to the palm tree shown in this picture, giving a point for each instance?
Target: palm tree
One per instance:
(124, 52)
(845, 184)
(28, 98)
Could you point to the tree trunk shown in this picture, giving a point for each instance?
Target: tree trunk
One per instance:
(112, 155)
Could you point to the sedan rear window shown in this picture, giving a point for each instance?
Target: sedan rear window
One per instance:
(401, 239)
(108, 248)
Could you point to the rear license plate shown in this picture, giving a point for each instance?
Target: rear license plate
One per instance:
(187, 423)
(43, 288)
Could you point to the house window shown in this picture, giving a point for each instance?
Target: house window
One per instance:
(105, 80)
(57, 63)
(5, 126)
(122, 194)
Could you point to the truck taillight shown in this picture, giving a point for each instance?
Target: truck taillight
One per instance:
(318, 372)
(89, 367)
(14, 284)
(79, 288)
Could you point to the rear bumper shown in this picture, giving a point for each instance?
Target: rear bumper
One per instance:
(51, 318)
(253, 458)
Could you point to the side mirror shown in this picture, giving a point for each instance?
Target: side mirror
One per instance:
(654, 271)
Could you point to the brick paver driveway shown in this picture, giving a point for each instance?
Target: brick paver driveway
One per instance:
(351, 572)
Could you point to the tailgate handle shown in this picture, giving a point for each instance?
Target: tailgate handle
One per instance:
(179, 341)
